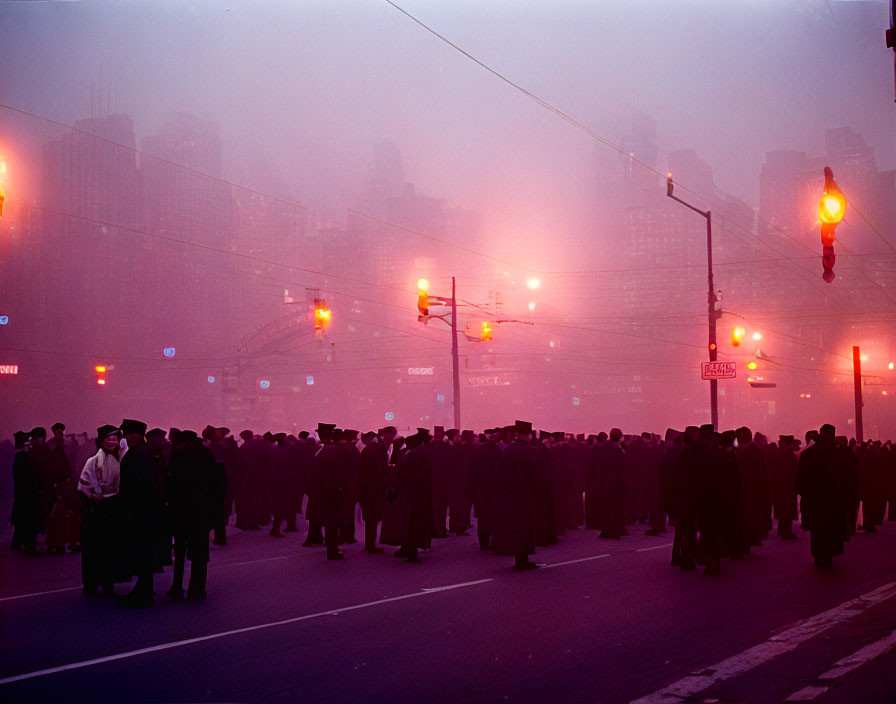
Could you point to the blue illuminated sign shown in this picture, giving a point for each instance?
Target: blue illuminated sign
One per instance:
(309, 380)
(4, 319)
(264, 383)
(440, 398)
(575, 401)
(390, 415)
(211, 380)
(168, 351)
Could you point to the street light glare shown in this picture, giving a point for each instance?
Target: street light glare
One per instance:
(757, 336)
(890, 365)
(831, 208)
(533, 283)
(423, 284)
(531, 305)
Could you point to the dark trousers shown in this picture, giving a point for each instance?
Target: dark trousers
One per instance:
(439, 518)
(485, 539)
(315, 532)
(220, 536)
(198, 568)
(370, 534)
(785, 527)
(331, 539)
(684, 546)
(459, 520)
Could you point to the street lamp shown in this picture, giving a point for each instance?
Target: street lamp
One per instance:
(711, 301)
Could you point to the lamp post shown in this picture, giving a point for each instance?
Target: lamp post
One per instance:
(711, 302)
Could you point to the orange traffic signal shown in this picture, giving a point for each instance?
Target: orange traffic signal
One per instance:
(486, 331)
(321, 314)
(100, 370)
(736, 336)
(831, 210)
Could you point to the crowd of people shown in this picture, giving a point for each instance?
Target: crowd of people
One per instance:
(132, 502)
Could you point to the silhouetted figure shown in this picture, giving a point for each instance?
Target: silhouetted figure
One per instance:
(372, 487)
(142, 510)
(26, 487)
(820, 483)
(515, 527)
(783, 483)
(486, 487)
(612, 486)
(193, 500)
(684, 546)
(442, 458)
(410, 524)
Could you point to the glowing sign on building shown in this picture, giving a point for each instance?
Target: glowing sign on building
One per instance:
(421, 371)
(168, 351)
(265, 384)
(9, 368)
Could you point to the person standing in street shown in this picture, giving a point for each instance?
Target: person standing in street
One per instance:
(514, 532)
(101, 515)
(820, 484)
(142, 510)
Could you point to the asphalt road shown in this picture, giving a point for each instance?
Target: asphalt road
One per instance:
(602, 621)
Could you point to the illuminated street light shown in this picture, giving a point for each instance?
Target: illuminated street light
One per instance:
(736, 336)
(531, 305)
(831, 209)
(423, 284)
(890, 366)
(864, 357)
(757, 336)
(752, 365)
(533, 283)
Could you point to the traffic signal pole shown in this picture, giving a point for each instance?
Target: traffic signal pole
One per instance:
(455, 367)
(711, 303)
(857, 382)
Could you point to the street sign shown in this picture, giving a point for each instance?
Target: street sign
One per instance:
(718, 370)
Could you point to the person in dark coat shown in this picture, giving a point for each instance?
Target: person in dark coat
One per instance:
(192, 495)
(313, 511)
(683, 497)
(715, 497)
(372, 487)
(250, 460)
(592, 484)
(783, 483)
(349, 445)
(754, 489)
(653, 460)
(462, 495)
(26, 487)
(278, 473)
(612, 486)
(443, 460)
(44, 464)
(515, 525)
(101, 516)
(820, 484)
(561, 480)
(545, 524)
(330, 491)
(410, 492)
(141, 501)
(486, 486)
(222, 453)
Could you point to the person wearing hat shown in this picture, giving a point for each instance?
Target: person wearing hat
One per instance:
(442, 458)
(754, 493)
(514, 532)
(485, 486)
(820, 485)
(26, 487)
(461, 501)
(409, 521)
(41, 459)
(612, 486)
(782, 478)
(142, 508)
(190, 492)
(249, 469)
(101, 517)
(349, 446)
(329, 489)
(215, 439)
(278, 471)
(715, 497)
(372, 487)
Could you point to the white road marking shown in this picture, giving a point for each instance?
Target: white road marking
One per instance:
(572, 562)
(225, 634)
(781, 643)
(860, 657)
(25, 596)
(806, 694)
(655, 547)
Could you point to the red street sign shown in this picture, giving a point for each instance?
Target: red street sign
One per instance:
(718, 370)
(9, 368)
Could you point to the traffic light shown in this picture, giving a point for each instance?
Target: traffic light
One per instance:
(736, 336)
(100, 370)
(423, 297)
(321, 316)
(486, 331)
(831, 209)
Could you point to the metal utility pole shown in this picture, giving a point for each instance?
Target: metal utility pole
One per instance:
(454, 356)
(711, 303)
(857, 380)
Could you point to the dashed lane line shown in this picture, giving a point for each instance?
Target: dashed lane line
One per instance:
(844, 666)
(783, 642)
(232, 632)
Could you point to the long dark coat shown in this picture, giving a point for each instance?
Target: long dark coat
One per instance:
(279, 481)
(561, 484)
(612, 488)
(754, 493)
(141, 505)
(543, 489)
(716, 497)
(514, 532)
(25, 512)
(486, 483)
(407, 517)
(592, 489)
(329, 487)
(820, 483)
(250, 495)
(783, 483)
(192, 496)
(372, 481)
